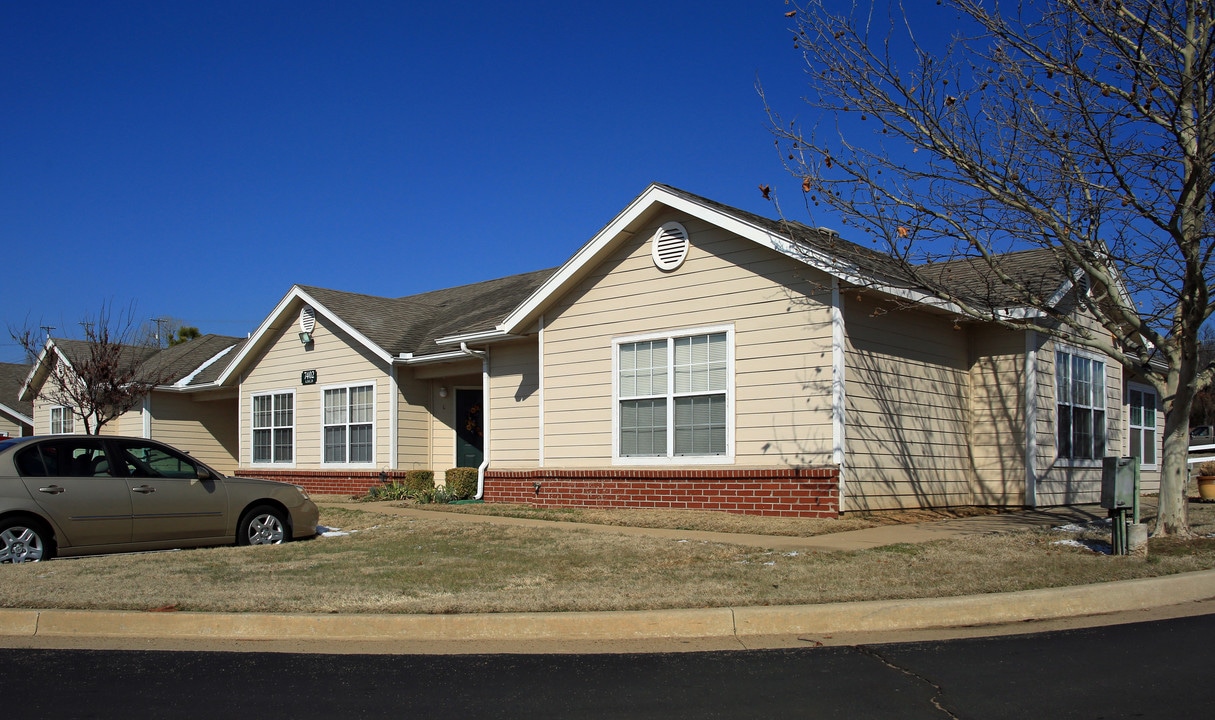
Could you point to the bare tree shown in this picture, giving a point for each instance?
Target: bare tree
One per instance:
(1082, 126)
(100, 377)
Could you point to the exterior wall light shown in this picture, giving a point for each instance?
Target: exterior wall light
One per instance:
(442, 391)
(305, 337)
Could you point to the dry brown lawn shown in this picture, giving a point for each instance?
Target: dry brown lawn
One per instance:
(392, 564)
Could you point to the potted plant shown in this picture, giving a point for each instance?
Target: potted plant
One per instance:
(1206, 481)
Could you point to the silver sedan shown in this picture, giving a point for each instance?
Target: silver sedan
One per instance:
(81, 494)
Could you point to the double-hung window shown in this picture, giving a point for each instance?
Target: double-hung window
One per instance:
(61, 421)
(1079, 406)
(673, 397)
(349, 414)
(274, 428)
(1142, 425)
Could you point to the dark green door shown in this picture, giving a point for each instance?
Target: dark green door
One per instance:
(470, 435)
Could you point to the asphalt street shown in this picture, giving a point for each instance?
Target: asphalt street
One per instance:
(1153, 669)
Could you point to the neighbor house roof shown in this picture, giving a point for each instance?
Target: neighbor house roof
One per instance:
(183, 367)
(12, 378)
(402, 327)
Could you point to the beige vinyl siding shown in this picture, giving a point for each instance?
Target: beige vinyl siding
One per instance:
(414, 426)
(128, 424)
(10, 427)
(997, 415)
(339, 361)
(907, 385)
(514, 405)
(782, 344)
(207, 429)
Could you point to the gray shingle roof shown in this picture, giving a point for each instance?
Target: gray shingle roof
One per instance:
(182, 361)
(410, 324)
(1040, 270)
(972, 279)
(12, 377)
(177, 362)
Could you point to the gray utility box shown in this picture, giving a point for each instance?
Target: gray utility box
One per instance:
(1119, 482)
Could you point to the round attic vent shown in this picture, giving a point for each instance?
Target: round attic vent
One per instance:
(307, 319)
(670, 246)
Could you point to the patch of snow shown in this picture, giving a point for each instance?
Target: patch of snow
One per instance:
(1097, 547)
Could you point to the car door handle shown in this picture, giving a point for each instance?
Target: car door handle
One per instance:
(144, 489)
(52, 490)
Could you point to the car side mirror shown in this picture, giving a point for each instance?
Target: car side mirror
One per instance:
(205, 474)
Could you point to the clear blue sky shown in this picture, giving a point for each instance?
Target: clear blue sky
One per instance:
(198, 159)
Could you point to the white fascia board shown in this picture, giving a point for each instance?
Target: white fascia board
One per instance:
(411, 359)
(13, 412)
(654, 195)
(267, 325)
(485, 336)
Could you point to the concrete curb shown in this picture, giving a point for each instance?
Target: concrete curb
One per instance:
(878, 615)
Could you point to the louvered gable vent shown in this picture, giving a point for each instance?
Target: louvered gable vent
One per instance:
(670, 246)
(307, 319)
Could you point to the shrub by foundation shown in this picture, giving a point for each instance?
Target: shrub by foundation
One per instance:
(461, 483)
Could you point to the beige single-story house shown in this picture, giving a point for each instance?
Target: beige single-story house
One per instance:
(16, 415)
(188, 409)
(690, 355)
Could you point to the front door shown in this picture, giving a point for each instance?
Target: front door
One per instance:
(470, 433)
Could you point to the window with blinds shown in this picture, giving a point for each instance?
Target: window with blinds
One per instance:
(349, 415)
(672, 394)
(274, 428)
(1079, 406)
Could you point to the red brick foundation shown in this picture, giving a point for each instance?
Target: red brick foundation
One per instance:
(783, 492)
(326, 482)
(780, 492)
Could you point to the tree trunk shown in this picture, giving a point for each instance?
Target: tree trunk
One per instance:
(1173, 514)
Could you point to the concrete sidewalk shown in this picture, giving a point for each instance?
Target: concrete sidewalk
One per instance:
(637, 631)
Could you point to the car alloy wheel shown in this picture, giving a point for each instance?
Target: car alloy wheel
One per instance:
(20, 543)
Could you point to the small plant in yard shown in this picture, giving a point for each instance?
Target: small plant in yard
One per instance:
(433, 495)
(462, 482)
(415, 484)
(1207, 468)
(391, 491)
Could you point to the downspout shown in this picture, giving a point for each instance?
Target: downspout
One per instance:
(485, 425)
(838, 391)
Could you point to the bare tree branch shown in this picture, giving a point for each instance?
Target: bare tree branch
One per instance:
(1082, 127)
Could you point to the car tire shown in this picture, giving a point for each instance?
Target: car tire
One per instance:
(25, 540)
(263, 525)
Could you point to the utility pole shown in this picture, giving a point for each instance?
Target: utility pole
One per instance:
(159, 332)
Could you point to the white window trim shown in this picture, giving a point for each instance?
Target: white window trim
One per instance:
(65, 413)
(1146, 389)
(374, 403)
(295, 409)
(1105, 383)
(725, 459)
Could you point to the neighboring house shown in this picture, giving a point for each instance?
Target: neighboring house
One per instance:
(692, 355)
(189, 410)
(16, 415)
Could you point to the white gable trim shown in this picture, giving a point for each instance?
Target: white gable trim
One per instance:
(28, 393)
(18, 416)
(572, 270)
(272, 324)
